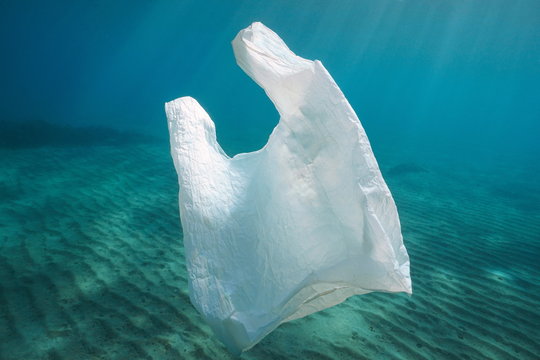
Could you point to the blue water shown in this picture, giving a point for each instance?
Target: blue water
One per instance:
(91, 254)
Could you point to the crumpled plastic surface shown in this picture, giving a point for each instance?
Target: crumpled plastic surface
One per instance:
(294, 228)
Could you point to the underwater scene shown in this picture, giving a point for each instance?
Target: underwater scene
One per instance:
(92, 258)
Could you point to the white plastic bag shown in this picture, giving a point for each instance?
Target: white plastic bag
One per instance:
(296, 227)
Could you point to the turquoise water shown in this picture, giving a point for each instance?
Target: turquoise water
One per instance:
(91, 260)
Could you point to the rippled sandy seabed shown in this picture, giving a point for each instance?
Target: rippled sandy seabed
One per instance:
(92, 266)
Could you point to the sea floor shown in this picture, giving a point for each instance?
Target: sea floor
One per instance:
(92, 265)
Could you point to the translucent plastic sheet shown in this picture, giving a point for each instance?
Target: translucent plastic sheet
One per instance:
(291, 229)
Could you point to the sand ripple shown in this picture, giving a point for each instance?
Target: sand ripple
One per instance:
(92, 267)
